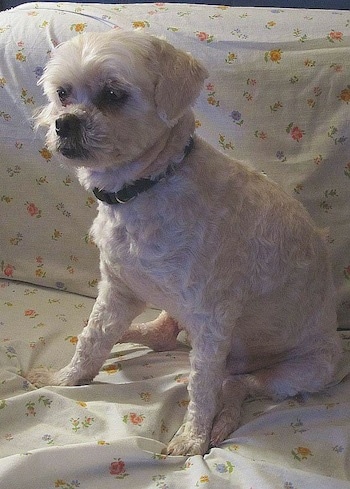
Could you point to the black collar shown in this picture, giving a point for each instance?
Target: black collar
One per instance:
(129, 192)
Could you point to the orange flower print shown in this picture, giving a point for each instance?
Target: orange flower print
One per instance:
(295, 132)
(309, 63)
(46, 154)
(82, 404)
(334, 36)
(72, 339)
(301, 453)
(145, 396)
(225, 145)
(270, 24)
(112, 368)
(66, 485)
(275, 55)
(39, 272)
(202, 480)
(33, 210)
(20, 56)
(345, 95)
(26, 99)
(56, 235)
(140, 24)
(78, 27)
(230, 58)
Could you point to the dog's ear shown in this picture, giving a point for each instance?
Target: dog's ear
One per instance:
(179, 83)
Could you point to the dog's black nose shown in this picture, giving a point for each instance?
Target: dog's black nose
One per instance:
(67, 125)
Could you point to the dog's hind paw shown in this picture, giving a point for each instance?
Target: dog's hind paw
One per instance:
(160, 334)
(224, 424)
(42, 376)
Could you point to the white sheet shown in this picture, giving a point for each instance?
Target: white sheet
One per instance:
(111, 433)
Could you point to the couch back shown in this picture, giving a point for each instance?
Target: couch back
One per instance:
(278, 96)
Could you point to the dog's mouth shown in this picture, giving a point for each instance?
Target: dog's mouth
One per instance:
(78, 136)
(72, 151)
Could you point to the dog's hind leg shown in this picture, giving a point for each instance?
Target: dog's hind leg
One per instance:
(234, 392)
(160, 334)
(310, 372)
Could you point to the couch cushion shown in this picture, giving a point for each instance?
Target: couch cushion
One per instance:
(278, 96)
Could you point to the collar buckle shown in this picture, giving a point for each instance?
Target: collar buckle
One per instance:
(125, 200)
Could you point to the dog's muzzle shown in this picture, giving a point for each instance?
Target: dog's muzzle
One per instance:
(68, 125)
(69, 131)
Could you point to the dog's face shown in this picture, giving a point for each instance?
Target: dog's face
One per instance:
(113, 95)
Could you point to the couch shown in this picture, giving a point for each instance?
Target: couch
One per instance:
(278, 97)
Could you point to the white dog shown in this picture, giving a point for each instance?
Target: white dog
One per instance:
(228, 255)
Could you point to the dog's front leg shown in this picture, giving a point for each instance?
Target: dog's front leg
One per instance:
(208, 362)
(113, 311)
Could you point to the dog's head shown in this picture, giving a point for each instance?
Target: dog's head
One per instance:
(113, 95)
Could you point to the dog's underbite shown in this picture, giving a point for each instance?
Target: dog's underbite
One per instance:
(225, 253)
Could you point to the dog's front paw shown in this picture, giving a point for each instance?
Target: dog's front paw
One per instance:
(186, 442)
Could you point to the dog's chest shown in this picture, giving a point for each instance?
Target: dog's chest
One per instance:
(153, 252)
(120, 243)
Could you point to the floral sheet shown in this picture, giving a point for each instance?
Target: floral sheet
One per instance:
(278, 96)
(111, 433)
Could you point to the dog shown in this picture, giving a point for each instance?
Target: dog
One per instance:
(225, 253)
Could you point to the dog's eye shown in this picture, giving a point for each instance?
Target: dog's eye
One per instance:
(63, 94)
(111, 97)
